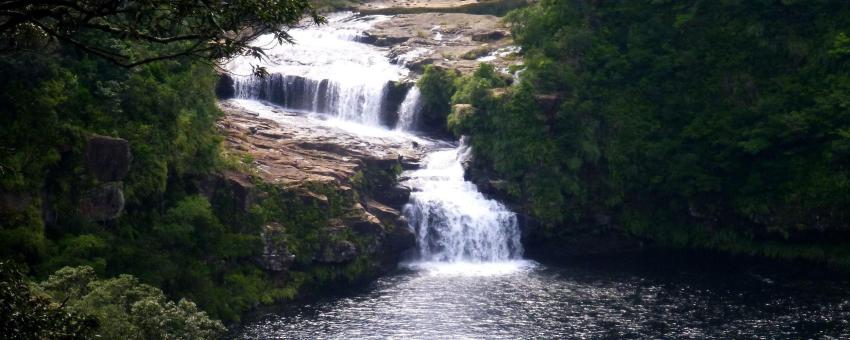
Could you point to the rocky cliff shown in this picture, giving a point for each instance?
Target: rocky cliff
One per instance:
(350, 180)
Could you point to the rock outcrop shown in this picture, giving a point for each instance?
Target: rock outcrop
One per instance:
(276, 256)
(449, 40)
(102, 203)
(297, 152)
(237, 185)
(337, 251)
(294, 149)
(108, 158)
(224, 88)
(393, 7)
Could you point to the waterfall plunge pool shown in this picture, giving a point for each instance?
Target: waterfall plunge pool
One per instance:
(524, 300)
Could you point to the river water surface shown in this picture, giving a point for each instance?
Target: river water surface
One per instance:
(521, 300)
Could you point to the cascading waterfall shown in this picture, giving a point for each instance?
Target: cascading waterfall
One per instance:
(328, 71)
(409, 110)
(360, 103)
(453, 221)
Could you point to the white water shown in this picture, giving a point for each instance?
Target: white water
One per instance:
(459, 231)
(453, 221)
(325, 71)
(409, 110)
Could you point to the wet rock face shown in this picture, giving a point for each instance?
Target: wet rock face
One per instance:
(234, 185)
(276, 256)
(400, 239)
(336, 251)
(382, 40)
(393, 96)
(367, 225)
(224, 87)
(102, 203)
(488, 35)
(108, 158)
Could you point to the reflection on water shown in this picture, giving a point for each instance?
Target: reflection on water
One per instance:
(520, 299)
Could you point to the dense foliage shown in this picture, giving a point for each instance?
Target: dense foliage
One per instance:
(149, 30)
(26, 313)
(127, 309)
(717, 124)
(196, 245)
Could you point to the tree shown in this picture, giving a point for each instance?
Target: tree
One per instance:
(148, 31)
(25, 314)
(127, 308)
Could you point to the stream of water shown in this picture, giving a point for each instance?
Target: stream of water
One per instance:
(468, 279)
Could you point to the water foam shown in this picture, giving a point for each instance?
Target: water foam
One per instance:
(453, 221)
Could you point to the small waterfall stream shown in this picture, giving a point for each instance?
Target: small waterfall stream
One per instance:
(408, 110)
(453, 221)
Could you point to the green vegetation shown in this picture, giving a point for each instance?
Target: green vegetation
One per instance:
(711, 124)
(437, 86)
(173, 234)
(132, 33)
(127, 309)
(26, 313)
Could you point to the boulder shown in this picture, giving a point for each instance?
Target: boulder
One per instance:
(14, 202)
(108, 158)
(394, 94)
(396, 196)
(336, 251)
(383, 212)
(488, 35)
(418, 65)
(381, 40)
(225, 87)
(399, 239)
(367, 225)
(276, 256)
(104, 202)
(234, 185)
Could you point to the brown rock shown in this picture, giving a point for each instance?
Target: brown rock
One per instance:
(489, 35)
(105, 202)
(334, 252)
(231, 184)
(108, 158)
(276, 256)
(400, 239)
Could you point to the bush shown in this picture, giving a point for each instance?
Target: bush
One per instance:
(127, 309)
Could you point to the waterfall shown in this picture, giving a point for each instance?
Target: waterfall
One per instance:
(409, 110)
(326, 71)
(453, 221)
(359, 102)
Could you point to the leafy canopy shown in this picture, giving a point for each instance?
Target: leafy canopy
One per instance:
(132, 33)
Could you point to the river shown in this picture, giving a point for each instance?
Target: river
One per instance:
(468, 278)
